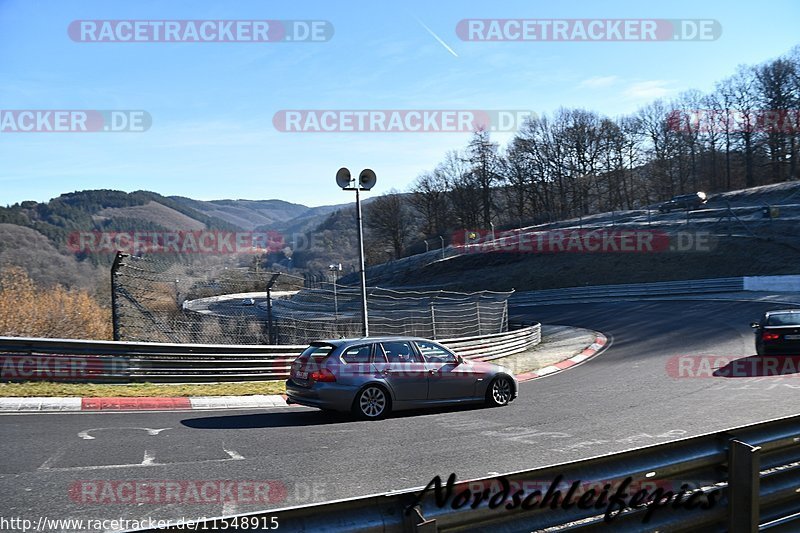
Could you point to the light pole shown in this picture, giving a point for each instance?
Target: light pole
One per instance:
(366, 181)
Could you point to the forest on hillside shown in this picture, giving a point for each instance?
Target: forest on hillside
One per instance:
(577, 162)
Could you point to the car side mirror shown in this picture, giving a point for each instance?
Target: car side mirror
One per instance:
(459, 360)
(755, 325)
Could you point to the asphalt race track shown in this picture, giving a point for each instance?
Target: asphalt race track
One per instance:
(623, 398)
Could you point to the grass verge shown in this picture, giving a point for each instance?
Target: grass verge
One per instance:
(92, 390)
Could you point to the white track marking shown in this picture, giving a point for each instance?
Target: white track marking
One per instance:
(86, 436)
(53, 458)
(236, 456)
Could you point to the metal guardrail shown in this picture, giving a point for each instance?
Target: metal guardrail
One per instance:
(497, 345)
(750, 472)
(120, 361)
(661, 288)
(26, 359)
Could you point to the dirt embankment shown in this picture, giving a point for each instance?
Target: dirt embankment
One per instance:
(727, 257)
(742, 241)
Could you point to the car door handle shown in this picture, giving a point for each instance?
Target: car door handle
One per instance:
(432, 372)
(386, 372)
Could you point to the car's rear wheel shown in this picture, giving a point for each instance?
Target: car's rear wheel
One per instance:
(500, 391)
(372, 403)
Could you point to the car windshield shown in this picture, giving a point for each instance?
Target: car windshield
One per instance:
(784, 319)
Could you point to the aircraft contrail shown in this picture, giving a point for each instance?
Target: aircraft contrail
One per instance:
(437, 38)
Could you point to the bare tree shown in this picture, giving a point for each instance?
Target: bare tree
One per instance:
(388, 218)
(724, 102)
(714, 133)
(659, 128)
(429, 196)
(483, 159)
(688, 139)
(778, 96)
(464, 192)
(742, 91)
(518, 177)
(576, 161)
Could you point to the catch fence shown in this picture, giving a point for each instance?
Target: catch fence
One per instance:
(157, 301)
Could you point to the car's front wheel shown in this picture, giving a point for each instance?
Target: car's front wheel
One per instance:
(500, 391)
(372, 403)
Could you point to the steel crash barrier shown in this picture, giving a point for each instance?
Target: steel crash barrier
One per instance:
(661, 288)
(26, 359)
(742, 479)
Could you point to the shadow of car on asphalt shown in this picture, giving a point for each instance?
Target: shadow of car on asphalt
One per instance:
(302, 417)
(760, 366)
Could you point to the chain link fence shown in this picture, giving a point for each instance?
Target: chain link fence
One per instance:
(155, 300)
(332, 311)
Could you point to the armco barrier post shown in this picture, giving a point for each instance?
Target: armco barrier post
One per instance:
(743, 486)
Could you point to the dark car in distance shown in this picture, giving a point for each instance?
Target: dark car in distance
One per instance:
(778, 332)
(685, 201)
(371, 377)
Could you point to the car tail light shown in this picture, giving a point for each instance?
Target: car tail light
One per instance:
(324, 375)
(767, 336)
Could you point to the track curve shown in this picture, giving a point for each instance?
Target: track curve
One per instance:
(626, 397)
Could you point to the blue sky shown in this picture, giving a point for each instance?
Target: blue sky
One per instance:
(212, 104)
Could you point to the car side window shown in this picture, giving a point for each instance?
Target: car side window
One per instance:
(435, 353)
(357, 354)
(400, 352)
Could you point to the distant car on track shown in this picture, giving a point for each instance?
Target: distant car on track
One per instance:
(685, 201)
(249, 301)
(778, 332)
(371, 377)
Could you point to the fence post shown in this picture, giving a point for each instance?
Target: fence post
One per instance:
(743, 486)
(478, 313)
(114, 308)
(271, 337)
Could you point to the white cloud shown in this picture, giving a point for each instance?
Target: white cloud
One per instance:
(648, 90)
(597, 82)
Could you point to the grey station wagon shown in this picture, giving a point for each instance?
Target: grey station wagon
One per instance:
(372, 376)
